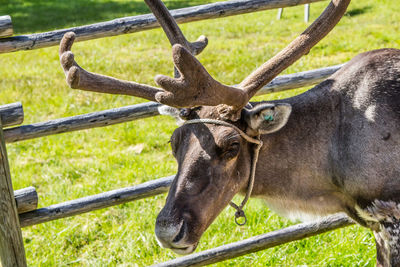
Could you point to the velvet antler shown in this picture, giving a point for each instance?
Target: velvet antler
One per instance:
(193, 86)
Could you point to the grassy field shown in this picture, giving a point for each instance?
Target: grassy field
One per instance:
(69, 166)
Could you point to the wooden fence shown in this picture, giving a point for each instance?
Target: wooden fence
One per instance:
(143, 22)
(19, 208)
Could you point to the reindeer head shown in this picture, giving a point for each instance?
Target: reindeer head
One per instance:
(216, 159)
(217, 148)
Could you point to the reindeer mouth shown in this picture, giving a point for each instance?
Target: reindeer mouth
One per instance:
(184, 251)
(179, 245)
(179, 242)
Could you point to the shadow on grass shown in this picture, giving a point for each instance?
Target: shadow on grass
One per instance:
(30, 16)
(358, 11)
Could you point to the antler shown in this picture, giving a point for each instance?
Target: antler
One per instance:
(210, 91)
(79, 78)
(193, 85)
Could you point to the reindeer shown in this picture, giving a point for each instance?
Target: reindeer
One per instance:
(334, 148)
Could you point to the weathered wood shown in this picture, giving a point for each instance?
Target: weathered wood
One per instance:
(6, 27)
(26, 199)
(298, 80)
(134, 112)
(260, 242)
(95, 202)
(80, 122)
(12, 252)
(11, 114)
(143, 22)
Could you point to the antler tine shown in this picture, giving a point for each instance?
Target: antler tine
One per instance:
(172, 30)
(296, 49)
(78, 78)
(195, 87)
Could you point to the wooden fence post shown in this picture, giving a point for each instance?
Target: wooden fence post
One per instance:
(12, 252)
(6, 28)
(280, 12)
(306, 13)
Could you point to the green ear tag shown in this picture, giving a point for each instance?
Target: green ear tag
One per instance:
(269, 117)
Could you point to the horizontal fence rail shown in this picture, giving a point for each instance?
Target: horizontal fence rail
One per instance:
(80, 122)
(298, 80)
(261, 242)
(144, 110)
(95, 202)
(143, 22)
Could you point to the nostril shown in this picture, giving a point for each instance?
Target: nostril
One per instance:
(167, 231)
(181, 233)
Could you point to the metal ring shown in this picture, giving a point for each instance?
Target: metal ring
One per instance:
(240, 214)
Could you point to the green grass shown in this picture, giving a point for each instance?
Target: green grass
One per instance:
(73, 165)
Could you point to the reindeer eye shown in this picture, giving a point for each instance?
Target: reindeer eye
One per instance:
(232, 150)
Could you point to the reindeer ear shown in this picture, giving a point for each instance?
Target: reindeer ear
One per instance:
(267, 117)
